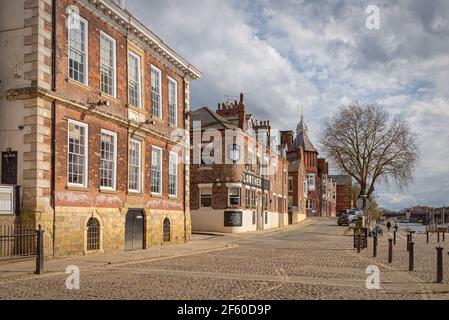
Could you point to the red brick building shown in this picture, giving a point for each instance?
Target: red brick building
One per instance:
(101, 100)
(238, 180)
(344, 192)
(327, 190)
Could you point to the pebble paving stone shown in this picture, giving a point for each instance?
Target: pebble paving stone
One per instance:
(307, 262)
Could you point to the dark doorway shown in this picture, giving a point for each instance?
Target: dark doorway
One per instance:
(9, 167)
(166, 230)
(134, 230)
(290, 218)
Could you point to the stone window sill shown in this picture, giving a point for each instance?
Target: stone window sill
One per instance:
(75, 188)
(78, 84)
(108, 191)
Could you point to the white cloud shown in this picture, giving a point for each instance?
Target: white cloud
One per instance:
(319, 54)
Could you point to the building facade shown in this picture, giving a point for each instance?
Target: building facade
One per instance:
(327, 188)
(238, 180)
(91, 101)
(344, 191)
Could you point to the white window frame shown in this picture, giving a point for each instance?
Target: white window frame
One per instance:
(239, 197)
(308, 201)
(86, 151)
(171, 80)
(114, 50)
(139, 63)
(311, 187)
(114, 176)
(161, 170)
(160, 91)
(175, 155)
(140, 166)
(86, 33)
(201, 194)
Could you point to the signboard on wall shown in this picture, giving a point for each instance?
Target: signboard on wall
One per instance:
(233, 219)
(6, 200)
(9, 167)
(254, 181)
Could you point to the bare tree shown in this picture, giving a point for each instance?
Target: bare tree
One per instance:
(367, 143)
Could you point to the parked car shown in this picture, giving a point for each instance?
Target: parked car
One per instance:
(343, 212)
(343, 220)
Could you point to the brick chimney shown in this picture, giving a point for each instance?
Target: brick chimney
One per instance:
(287, 139)
(234, 112)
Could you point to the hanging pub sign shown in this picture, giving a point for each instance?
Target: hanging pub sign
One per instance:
(254, 181)
(9, 167)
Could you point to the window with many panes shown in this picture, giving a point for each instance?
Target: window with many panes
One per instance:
(107, 64)
(134, 78)
(309, 204)
(172, 101)
(253, 199)
(135, 165)
(77, 45)
(234, 196)
(305, 188)
(108, 155)
(206, 197)
(247, 197)
(156, 91)
(77, 153)
(311, 181)
(290, 184)
(156, 170)
(173, 174)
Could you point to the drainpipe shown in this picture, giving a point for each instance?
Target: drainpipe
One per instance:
(53, 122)
(185, 157)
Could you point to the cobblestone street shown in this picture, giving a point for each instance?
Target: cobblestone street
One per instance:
(311, 261)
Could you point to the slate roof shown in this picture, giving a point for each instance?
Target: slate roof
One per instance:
(210, 119)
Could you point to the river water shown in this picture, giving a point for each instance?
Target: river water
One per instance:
(417, 227)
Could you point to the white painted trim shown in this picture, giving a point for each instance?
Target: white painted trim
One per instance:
(140, 165)
(86, 83)
(171, 153)
(114, 89)
(86, 150)
(234, 184)
(161, 169)
(170, 79)
(153, 67)
(114, 181)
(139, 61)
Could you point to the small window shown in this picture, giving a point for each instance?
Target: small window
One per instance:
(135, 165)
(78, 33)
(309, 204)
(77, 153)
(172, 101)
(253, 199)
(156, 91)
(108, 163)
(93, 235)
(254, 218)
(305, 188)
(247, 198)
(290, 184)
(266, 217)
(134, 80)
(156, 170)
(234, 196)
(311, 182)
(107, 64)
(206, 197)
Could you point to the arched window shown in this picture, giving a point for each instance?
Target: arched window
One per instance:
(93, 235)
(166, 230)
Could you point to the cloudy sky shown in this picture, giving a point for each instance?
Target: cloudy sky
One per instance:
(320, 54)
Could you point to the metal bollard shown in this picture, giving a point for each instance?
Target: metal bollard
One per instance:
(394, 237)
(438, 238)
(390, 250)
(40, 251)
(408, 241)
(358, 243)
(439, 265)
(375, 246)
(411, 257)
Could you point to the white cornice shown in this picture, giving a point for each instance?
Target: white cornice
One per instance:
(125, 20)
